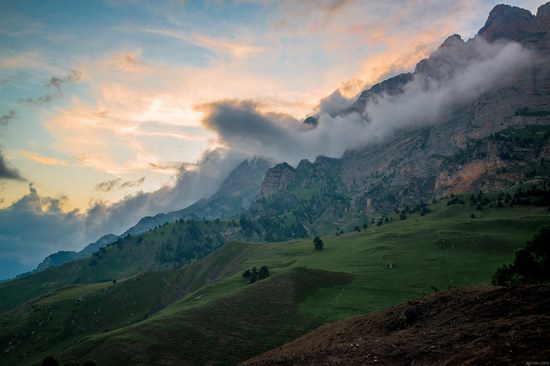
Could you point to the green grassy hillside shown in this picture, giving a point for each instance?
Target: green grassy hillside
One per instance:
(219, 317)
(166, 247)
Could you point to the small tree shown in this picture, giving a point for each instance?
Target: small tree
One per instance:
(247, 274)
(318, 243)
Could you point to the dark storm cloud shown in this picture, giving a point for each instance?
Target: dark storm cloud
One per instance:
(7, 172)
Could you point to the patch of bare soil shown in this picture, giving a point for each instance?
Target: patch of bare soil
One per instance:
(480, 325)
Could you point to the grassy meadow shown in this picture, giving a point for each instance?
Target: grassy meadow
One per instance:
(206, 312)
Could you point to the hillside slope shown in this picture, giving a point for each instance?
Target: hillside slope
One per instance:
(235, 194)
(481, 325)
(209, 304)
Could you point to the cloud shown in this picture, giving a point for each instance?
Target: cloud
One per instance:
(53, 229)
(133, 183)
(238, 49)
(46, 160)
(112, 184)
(334, 103)
(478, 67)
(7, 117)
(6, 172)
(108, 185)
(55, 83)
(128, 62)
(34, 226)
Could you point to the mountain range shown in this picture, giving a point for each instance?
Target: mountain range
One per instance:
(487, 142)
(437, 196)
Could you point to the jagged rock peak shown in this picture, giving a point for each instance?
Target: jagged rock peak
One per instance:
(452, 41)
(304, 164)
(245, 175)
(277, 179)
(507, 22)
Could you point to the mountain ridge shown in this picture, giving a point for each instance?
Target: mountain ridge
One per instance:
(420, 164)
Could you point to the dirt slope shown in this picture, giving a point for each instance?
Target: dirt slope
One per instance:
(468, 326)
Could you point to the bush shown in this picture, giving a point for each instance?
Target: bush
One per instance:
(531, 264)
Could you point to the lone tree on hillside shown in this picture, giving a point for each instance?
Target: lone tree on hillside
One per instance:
(318, 243)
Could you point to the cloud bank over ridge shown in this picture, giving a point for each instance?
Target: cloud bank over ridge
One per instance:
(246, 127)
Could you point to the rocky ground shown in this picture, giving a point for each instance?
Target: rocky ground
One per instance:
(481, 325)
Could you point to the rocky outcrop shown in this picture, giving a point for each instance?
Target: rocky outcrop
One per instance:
(391, 86)
(542, 20)
(507, 22)
(277, 179)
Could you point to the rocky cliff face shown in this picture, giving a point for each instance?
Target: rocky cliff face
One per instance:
(277, 179)
(491, 143)
(236, 193)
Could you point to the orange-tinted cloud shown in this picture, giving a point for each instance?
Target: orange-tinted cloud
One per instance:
(46, 160)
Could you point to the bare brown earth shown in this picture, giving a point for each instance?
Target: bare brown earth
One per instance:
(481, 325)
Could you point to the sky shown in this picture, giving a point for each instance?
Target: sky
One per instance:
(116, 109)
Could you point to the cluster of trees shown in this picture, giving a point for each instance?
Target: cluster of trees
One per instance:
(270, 227)
(382, 220)
(455, 200)
(536, 195)
(531, 264)
(188, 243)
(254, 275)
(277, 229)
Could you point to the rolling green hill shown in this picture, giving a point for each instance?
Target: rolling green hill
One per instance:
(206, 311)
